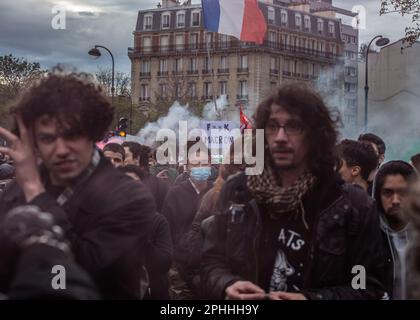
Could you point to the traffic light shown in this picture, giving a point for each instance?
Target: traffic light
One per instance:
(122, 127)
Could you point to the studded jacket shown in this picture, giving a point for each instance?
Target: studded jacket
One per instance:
(345, 234)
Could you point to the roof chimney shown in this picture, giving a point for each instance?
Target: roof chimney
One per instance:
(169, 3)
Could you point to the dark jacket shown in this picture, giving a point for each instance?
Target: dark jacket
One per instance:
(33, 276)
(345, 233)
(180, 207)
(107, 221)
(157, 187)
(158, 258)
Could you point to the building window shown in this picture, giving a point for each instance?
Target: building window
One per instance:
(286, 67)
(331, 29)
(307, 23)
(223, 88)
(193, 89)
(243, 90)
(283, 17)
(166, 18)
(272, 38)
(351, 71)
(145, 66)
(209, 39)
(195, 21)
(223, 62)
(194, 41)
(350, 87)
(178, 93)
(223, 40)
(273, 64)
(147, 44)
(298, 21)
(284, 39)
(178, 65)
(243, 62)
(350, 55)
(144, 92)
(320, 24)
(271, 15)
(193, 64)
(180, 20)
(164, 43)
(179, 41)
(148, 22)
(163, 65)
(207, 90)
(206, 64)
(163, 89)
(351, 103)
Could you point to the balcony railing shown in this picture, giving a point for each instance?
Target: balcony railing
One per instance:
(242, 97)
(234, 45)
(242, 70)
(145, 74)
(206, 71)
(223, 71)
(287, 73)
(274, 72)
(207, 98)
(144, 99)
(163, 73)
(177, 73)
(192, 72)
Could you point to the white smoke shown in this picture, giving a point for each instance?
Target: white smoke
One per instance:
(178, 112)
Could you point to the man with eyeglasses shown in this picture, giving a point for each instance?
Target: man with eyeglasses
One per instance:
(296, 231)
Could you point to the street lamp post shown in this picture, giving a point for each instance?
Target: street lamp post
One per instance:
(380, 43)
(96, 53)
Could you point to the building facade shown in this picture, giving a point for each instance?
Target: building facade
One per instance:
(171, 46)
(393, 100)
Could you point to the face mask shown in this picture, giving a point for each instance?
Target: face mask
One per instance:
(200, 174)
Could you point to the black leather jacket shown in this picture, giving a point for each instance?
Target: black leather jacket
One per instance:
(345, 234)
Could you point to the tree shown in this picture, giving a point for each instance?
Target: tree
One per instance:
(362, 51)
(15, 74)
(121, 81)
(176, 88)
(405, 7)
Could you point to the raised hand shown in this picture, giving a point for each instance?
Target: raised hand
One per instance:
(22, 152)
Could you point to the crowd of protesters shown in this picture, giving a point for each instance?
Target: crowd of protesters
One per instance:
(125, 226)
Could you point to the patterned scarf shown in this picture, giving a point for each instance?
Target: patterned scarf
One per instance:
(279, 200)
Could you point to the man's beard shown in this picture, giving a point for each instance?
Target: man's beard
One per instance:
(395, 216)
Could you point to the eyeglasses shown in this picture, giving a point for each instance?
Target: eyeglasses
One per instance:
(292, 128)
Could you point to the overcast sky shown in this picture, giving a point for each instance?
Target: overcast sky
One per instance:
(25, 29)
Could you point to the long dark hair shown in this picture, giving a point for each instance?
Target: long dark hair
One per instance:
(301, 100)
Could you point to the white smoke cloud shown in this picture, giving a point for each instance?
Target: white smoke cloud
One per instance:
(178, 112)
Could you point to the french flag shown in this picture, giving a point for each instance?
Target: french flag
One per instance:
(242, 19)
